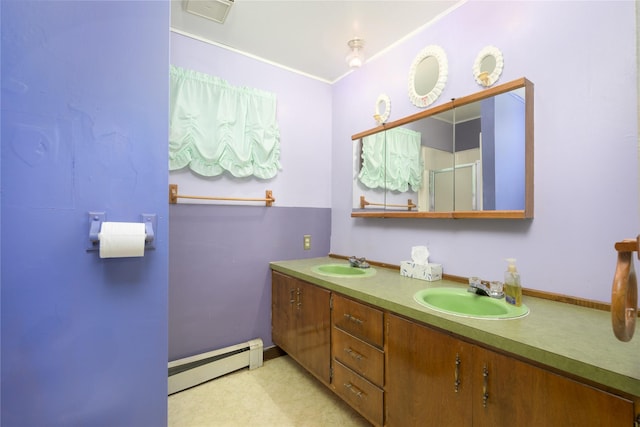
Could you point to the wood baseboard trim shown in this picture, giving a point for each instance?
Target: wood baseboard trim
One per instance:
(567, 299)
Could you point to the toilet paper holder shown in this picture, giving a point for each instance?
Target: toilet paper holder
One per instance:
(97, 218)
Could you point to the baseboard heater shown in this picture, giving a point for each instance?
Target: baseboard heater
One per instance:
(191, 371)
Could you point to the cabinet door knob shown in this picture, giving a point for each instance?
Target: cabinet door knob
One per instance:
(485, 386)
(354, 354)
(354, 319)
(355, 390)
(456, 382)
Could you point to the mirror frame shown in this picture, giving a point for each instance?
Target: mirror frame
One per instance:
(487, 79)
(443, 70)
(382, 116)
(527, 213)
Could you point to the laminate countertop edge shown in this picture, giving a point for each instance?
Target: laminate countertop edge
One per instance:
(572, 339)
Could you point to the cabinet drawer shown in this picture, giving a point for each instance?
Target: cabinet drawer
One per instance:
(363, 396)
(363, 358)
(358, 319)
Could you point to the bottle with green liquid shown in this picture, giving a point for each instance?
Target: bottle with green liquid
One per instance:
(512, 286)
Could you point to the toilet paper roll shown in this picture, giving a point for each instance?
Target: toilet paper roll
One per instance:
(122, 239)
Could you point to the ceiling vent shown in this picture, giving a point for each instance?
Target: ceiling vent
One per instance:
(215, 10)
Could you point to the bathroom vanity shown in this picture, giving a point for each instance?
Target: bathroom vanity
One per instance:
(401, 364)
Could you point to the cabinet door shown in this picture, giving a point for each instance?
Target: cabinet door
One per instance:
(428, 377)
(283, 311)
(509, 392)
(314, 330)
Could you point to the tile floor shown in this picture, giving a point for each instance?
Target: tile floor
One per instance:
(278, 394)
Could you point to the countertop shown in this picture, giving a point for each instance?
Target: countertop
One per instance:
(573, 339)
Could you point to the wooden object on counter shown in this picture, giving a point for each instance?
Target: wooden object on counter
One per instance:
(624, 291)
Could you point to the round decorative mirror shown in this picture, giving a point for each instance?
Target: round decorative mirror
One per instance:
(428, 76)
(383, 109)
(488, 66)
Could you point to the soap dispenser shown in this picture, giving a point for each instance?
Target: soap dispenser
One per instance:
(512, 287)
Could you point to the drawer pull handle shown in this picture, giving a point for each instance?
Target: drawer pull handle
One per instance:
(353, 319)
(353, 354)
(299, 293)
(353, 389)
(456, 382)
(291, 299)
(485, 386)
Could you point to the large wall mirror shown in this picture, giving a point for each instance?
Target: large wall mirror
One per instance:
(469, 158)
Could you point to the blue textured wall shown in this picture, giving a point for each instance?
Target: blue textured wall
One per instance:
(84, 127)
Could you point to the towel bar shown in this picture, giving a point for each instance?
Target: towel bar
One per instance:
(174, 196)
(363, 202)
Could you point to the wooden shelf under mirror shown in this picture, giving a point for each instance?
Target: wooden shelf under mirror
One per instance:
(475, 159)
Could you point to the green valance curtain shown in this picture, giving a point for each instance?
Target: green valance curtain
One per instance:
(395, 167)
(216, 127)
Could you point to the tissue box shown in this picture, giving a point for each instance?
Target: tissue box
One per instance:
(428, 272)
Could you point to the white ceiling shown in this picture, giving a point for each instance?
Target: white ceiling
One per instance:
(310, 36)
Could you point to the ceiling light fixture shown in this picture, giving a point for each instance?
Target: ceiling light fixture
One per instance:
(355, 59)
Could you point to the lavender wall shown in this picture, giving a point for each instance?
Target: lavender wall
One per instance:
(581, 56)
(303, 115)
(219, 276)
(84, 125)
(219, 281)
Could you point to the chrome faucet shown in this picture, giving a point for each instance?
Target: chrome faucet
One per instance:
(479, 287)
(358, 262)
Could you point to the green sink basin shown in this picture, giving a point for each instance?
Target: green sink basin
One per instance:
(459, 302)
(343, 270)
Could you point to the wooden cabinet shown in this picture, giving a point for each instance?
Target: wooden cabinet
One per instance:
(428, 377)
(435, 378)
(400, 373)
(358, 357)
(518, 393)
(301, 323)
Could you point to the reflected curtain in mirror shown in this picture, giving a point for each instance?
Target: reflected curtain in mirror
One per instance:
(216, 127)
(391, 160)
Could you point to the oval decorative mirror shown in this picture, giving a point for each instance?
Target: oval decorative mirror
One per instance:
(383, 109)
(428, 76)
(488, 66)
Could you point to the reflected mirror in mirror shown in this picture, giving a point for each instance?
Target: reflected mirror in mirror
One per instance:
(490, 153)
(427, 76)
(471, 157)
